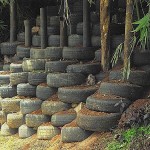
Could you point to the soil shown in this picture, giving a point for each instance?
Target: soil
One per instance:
(53, 98)
(81, 87)
(5, 72)
(70, 111)
(43, 84)
(72, 124)
(85, 111)
(46, 124)
(37, 112)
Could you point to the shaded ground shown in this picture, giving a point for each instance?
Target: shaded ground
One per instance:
(96, 141)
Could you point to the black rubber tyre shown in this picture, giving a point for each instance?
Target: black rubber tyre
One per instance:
(71, 29)
(35, 120)
(116, 40)
(75, 40)
(47, 132)
(3, 117)
(21, 37)
(79, 29)
(78, 8)
(125, 90)
(51, 107)
(10, 105)
(72, 133)
(25, 132)
(38, 22)
(86, 69)
(53, 53)
(141, 58)
(36, 40)
(6, 67)
(52, 30)
(15, 120)
(33, 64)
(23, 52)
(64, 79)
(61, 118)
(4, 78)
(101, 76)
(37, 53)
(94, 17)
(96, 30)
(29, 105)
(9, 48)
(52, 10)
(25, 89)
(54, 40)
(8, 91)
(17, 78)
(137, 77)
(7, 131)
(97, 4)
(97, 55)
(75, 94)
(97, 121)
(57, 66)
(107, 103)
(55, 21)
(44, 92)
(16, 67)
(35, 78)
(96, 41)
(78, 53)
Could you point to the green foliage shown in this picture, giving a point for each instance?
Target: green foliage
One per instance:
(130, 136)
(5, 2)
(2, 26)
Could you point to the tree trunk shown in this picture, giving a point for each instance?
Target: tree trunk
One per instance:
(105, 34)
(13, 21)
(43, 21)
(28, 33)
(128, 35)
(86, 24)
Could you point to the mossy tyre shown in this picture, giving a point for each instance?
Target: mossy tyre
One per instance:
(21, 37)
(54, 40)
(4, 78)
(107, 103)
(64, 117)
(97, 55)
(10, 105)
(25, 89)
(35, 78)
(36, 40)
(29, 105)
(44, 92)
(75, 94)
(37, 53)
(25, 132)
(23, 52)
(17, 78)
(7, 131)
(65, 79)
(126, 90)
(47, 132)
(75, 40)
(16, 67)
(35, 120)
(97, 121)
(79, 53)
(72, 133)
(15, 120)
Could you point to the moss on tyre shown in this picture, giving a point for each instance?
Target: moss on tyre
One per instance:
(25, 132)
(79, 53)
(65, 79)
(17, 78)
(16, 67)
(35, 78)
(107, 103)
(97, 121)
(25, 89)
(125, 90)
(15, 120)
(29, 105)
(75, 94)
(37, 53)
(47, 132)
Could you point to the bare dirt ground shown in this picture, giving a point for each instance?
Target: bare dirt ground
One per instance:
(97, 141)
